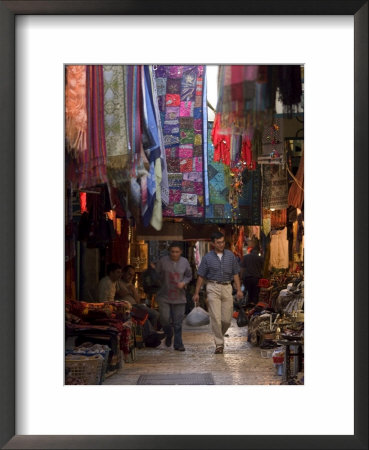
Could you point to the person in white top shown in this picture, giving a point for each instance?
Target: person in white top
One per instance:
(108, 285)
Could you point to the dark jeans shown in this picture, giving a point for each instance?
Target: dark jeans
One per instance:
(171, 317)
(251, 285)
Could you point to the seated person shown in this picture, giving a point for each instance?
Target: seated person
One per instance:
(107, 287)
(127, 291)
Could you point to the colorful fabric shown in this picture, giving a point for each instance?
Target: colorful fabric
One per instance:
(162, 167)
(92, 167)
(180, 92)
(218, 186)
(114, 116)
(151, 146)
(76, 110)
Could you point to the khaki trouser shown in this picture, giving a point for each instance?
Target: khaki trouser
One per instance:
(220, 309)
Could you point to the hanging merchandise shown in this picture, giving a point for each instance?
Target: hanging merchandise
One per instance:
(219, 208)
(115, 118)
(275, 187)
(296, 192)
(151, 144)
(76, 110)
(279, 249)
(181, 97)
(290, 86)
(272, 143)
(92, 166)
(248, 196)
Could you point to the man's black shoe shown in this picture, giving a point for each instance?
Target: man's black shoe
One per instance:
(180, 349)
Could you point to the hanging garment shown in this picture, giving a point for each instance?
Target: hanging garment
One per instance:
(92, 167)
(219, 209)
(180, 98)
(162, 167)
(296, 192)
(152, 150)
(76, 110)
(290, 85)
(221, 143)
(275, 187)
(115, 118)
(279, 249)
(249, 202)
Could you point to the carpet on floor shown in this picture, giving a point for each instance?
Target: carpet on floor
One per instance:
(176, 378)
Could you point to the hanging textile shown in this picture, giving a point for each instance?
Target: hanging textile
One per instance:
(249, 202)
(245, 96)
(164, 188)
(92, 167)
(76, 110)
(152, 151)
(290, 86)
(279, 249)
(296, 192)
(114, 117)
(276, 218)
(275, 187)
(133, 99)
(180, 98)
(218, 186)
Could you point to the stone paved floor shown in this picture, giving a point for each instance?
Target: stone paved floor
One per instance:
(241, 362)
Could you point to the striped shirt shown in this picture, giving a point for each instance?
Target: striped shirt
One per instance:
(214, 269)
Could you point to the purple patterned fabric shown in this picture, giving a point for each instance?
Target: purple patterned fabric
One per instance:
(180, 98)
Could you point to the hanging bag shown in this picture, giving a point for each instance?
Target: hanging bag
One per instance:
(197, 317)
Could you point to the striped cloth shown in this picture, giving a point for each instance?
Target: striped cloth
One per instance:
(92, 167)
(215, 269)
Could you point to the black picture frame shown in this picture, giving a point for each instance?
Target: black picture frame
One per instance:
(8, 12)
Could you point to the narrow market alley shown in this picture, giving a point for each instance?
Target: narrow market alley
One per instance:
(241, 363)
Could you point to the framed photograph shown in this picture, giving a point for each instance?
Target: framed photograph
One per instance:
(37, 40)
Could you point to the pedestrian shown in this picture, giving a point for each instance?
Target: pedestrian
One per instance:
(175, 273)
(219, 267)
(251, 271)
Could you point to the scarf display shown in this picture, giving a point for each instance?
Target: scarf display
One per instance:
(76, 110)
(218, 186)
(114, 117)
(180, 96)
(152, 150)
(92, 167)
(275, 187)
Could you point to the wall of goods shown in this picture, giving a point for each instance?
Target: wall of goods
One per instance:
(144, 166)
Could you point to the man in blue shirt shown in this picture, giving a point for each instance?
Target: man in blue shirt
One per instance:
(219, 267)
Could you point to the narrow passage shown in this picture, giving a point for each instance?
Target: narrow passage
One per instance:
(241, 363)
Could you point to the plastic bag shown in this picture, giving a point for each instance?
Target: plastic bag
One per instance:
(197, 317)
(241, 319)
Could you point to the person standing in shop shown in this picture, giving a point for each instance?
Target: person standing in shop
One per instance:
(219, 267)
(251, 271)
(175, 273)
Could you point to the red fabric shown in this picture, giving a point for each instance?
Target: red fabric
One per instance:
(221, 142)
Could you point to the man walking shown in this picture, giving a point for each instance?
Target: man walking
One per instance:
(175, 273)
(218, 267)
